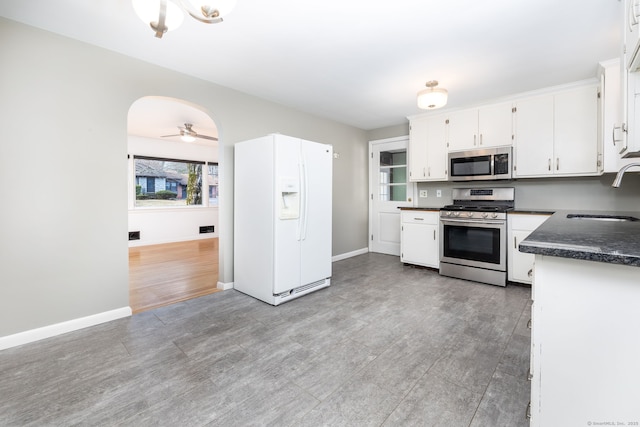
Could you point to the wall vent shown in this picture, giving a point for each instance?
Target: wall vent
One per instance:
(204, 229)
(134, 235)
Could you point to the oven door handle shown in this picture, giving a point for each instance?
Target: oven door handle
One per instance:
(472, 221)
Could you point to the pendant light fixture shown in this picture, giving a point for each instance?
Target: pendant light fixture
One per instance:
(432, 97)
(167, 15)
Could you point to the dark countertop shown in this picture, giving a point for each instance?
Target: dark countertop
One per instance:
(530, 212)
(515, 211)
(616, 242)
(415, 208)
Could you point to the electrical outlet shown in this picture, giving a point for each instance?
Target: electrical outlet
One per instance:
(438, 193)
(423, 193)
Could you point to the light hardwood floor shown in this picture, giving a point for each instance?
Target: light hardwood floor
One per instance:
(164, 274)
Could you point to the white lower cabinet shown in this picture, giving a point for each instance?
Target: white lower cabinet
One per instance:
(519, 226)
(419, 242)
(584, 343)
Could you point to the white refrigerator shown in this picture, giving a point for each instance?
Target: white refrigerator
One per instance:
(282, 217)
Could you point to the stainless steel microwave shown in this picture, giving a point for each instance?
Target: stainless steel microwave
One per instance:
(480, 165)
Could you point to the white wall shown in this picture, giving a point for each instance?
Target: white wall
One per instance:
(63, 117)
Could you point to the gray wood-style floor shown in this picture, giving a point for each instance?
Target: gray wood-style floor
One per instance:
(385, 345)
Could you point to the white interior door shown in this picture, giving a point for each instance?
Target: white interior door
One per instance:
(389, 189)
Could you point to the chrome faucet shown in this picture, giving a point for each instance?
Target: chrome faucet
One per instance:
(618, 180)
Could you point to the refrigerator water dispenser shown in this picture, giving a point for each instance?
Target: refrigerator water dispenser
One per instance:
(289, 198)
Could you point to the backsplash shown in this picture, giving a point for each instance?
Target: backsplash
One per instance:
(550, 193)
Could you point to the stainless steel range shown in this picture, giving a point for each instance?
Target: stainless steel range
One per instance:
(473, 230)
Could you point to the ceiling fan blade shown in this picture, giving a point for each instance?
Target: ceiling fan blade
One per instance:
(166, 136)
(212, 138)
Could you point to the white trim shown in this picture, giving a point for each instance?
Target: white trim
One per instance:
(349, 254)
(62, 328)
(225, 286)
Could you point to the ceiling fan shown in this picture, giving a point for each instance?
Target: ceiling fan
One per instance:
(187, 134)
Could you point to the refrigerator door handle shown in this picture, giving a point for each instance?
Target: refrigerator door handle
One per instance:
(301, 212)
(305, 200)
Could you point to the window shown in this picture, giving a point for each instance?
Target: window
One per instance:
(393, 175)
(169, 182)
(213, 184)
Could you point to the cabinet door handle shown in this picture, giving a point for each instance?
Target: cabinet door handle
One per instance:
(557, 163)
(613, 134)
(474, 139)
(529, 375)
(530, 272)
(419, 219)
(549, 164)
(434, 234)
(515, 244)
(529, 324)
(527, 414)
(480, 139)
(429, 171)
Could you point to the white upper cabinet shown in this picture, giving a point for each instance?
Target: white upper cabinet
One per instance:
(418, 149)
(557, 134)
(488, 126)
(612, 134)
(495, 125)
(628, 143)
(632, 34)
(428, 149)
(534, 136)
(463, 130)
(576, 131)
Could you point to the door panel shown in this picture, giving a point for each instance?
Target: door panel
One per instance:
(287, 227)
(316, 230)
(389, 189)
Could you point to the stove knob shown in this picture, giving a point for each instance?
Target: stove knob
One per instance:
(456, 214)
(469, 214)
(484, 215)
(448, 213)
(494, 215)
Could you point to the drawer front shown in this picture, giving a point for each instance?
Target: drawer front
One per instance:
(420, 217)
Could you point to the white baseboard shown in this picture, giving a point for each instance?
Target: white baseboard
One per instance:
(350, 254)
(62, 328)
(225, 286)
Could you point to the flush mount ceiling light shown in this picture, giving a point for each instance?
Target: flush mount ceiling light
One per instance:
(432, 97)
(167, 15)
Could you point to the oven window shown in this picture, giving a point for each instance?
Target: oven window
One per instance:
(472, 243)
(471, 166)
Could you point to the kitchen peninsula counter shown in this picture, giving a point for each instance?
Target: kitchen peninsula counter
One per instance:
(609, 241)
(585, 292)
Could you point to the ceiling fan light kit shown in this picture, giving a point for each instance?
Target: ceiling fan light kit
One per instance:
(167, 15)
(432, 97)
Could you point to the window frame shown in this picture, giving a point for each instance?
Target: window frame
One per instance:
(206, 202)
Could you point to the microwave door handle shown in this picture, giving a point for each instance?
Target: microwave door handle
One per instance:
(492, 165)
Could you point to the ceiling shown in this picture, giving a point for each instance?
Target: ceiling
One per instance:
(159, 117)
(360, 62)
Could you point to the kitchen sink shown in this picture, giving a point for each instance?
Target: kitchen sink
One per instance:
(603, 217)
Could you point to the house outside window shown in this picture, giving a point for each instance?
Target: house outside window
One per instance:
(172, 183)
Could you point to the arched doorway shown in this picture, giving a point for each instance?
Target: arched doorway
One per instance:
(172, 202)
